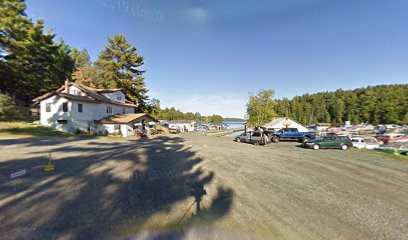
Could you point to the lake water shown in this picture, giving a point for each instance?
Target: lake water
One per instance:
(234, 125)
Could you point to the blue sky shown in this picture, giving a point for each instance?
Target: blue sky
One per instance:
(207, 55)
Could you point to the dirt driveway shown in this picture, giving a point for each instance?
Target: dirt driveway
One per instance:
(108, 188)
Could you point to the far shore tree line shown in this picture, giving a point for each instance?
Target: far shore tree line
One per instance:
(382, 104)
(175, 114)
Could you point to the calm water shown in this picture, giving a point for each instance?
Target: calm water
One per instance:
(232, 125)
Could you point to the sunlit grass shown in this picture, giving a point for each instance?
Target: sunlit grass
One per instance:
(387, 155)
(19, 128)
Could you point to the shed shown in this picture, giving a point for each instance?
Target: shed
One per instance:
(127, 124)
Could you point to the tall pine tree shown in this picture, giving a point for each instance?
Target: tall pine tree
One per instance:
(118, 67)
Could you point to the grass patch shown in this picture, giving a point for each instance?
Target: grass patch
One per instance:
(31, 129)
(386, 155)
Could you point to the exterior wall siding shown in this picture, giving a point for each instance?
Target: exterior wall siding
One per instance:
(114, 96)
(76, 120)
(183, 126)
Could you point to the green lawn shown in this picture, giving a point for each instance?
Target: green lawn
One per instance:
(21, 128)
(387, 155)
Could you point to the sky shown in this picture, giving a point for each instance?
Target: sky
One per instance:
(207, 55)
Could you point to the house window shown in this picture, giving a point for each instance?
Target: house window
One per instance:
(62, 121)
(119, 97)
(65, 107)
(80, 107)
(48, 107)
(108, 109)
(123, 110)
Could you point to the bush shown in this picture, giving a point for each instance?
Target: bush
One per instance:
(7, 107)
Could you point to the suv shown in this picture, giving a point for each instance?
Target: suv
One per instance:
(291, 134)
(343, 143)
(255, 137)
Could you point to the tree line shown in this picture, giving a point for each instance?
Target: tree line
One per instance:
(382, 104)
(175, 114)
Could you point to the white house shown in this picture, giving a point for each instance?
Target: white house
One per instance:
(283, 122)
(74, 108)
(183, 125)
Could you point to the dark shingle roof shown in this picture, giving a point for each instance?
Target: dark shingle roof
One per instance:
(93, 94)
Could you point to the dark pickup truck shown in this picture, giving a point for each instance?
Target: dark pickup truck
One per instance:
(291, 134)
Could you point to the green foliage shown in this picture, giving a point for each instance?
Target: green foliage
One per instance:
(84, 72)
(31, 61)
(175, 114)
(377, 105)
(117, 67)
(7, 107)
(260, 108)
(153, 108)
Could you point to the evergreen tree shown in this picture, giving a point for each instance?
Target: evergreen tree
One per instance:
(378, 104)
(84, 71)
(117, 67)
(31, 62)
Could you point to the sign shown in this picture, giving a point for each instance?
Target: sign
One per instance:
(18, 174)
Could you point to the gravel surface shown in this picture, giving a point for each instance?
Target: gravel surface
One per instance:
(130, 189)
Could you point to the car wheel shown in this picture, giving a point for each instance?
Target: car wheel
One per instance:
(238, 140)
(316, 147)
(344, 147)
(275, 139)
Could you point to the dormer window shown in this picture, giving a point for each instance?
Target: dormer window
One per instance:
(119, 97)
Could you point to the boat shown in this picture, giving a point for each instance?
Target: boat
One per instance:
(392, 138)
(395, 148)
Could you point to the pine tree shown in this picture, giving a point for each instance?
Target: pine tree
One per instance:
(84, 71)
(31, 62)
(117, 67)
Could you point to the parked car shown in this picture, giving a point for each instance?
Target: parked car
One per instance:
(365, 143)
(343, 143)
(202, 128)
(291, 134)
(174, 130)
(254, 137)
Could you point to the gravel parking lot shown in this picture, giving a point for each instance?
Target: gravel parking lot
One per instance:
(111, 188)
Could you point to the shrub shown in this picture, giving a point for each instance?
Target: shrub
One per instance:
(7, 107)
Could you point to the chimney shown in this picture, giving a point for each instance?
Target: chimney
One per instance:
(67, 86)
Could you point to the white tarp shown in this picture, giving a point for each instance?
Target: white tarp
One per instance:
(279, 123)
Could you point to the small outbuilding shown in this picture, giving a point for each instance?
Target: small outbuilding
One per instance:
(283, 122)
(127, 124)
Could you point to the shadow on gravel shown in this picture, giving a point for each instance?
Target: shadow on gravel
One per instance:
(160, 173)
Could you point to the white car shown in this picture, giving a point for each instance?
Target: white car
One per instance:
(365, 143)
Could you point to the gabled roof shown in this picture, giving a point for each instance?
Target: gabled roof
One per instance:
(93, 94)
(77, 98)
(124, 118)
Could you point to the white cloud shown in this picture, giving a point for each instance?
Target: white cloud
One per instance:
(226, 105)
(198, 13)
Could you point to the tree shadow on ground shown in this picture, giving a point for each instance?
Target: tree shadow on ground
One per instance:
(109, 190)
